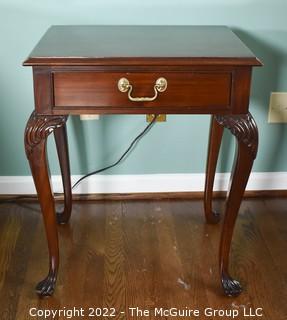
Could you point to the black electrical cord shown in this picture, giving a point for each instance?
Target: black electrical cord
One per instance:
(133, 143)
(136, 139)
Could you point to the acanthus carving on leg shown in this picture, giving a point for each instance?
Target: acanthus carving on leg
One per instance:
(37, 130)
(39, 127)
(244, 128)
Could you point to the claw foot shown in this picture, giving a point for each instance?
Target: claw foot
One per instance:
(213, 218)
(46, 287)
(231, 287)
(62, 217)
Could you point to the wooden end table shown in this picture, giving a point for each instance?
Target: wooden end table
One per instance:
(141, 70)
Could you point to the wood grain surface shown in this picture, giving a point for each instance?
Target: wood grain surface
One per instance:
(150, 45)
(98, 89)
(146, 254)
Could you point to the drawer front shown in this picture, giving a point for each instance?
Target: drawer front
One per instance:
(197, 89)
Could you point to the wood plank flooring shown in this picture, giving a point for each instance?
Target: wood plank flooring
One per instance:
(146, 254)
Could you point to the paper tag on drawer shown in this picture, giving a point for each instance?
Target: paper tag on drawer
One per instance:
(89, 117)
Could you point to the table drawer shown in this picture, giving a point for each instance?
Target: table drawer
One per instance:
(98, 89)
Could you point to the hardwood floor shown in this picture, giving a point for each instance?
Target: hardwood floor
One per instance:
(145, 254)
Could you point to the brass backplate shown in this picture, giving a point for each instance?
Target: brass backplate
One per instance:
(160, 117)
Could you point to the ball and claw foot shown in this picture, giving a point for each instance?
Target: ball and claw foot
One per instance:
(213, 218)
(62, 217)
(231, 287)
(46, 287)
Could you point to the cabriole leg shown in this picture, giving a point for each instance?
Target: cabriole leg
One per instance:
(37, 130)
(215, 137)
(244, 128)
(61, 140)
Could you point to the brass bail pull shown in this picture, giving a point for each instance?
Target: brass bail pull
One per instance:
(124, 86)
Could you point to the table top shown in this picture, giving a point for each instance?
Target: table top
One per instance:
(128, 45)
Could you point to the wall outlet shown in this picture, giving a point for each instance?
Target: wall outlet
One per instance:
(278, 107)
(89, 117)
(160, 118)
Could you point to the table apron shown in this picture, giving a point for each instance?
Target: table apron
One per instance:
(205, 90)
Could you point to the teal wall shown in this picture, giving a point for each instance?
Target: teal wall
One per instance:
(172, 147)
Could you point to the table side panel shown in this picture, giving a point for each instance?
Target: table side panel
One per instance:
(43, 90)
(241, 85)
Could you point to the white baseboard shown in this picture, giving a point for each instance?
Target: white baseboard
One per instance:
(145, 183)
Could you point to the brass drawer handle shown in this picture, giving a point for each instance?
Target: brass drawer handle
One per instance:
(124, 86)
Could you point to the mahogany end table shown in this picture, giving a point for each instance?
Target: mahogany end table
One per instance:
(141, 70)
